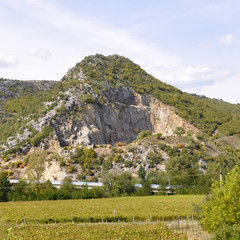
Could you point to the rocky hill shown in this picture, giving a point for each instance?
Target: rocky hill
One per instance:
(109, 114)
(14, 88)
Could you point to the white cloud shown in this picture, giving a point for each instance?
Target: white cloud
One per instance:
(42, 53)
(67, 38)
(185, 76)
(8, 61)
(70, 38)
(227, 89)
(226, 39)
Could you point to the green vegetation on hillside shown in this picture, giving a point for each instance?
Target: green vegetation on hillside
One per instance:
(23, 102)
(229, 128)
(118, 71)
(114, 71)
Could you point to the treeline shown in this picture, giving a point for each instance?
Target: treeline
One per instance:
(115, 185)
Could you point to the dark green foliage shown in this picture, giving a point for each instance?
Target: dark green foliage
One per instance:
(86, 158)
(164, 147)
(154, 158)
(158, 177)
(200, 137)
(142, 173)
(24, 191)
(144, 134)
(145, 190)
(88, 98)
(186, 167)
(128, 163)
(20, 191)
(229, 128)
(12, 150)
(227, 232)
(117, 159)
(223, 205)
(107, 164)
(66, 189)
(4, 187)
(159, 136)
(119, 184)
(171, 151)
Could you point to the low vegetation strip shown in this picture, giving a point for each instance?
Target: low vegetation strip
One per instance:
(151, 208)
(89, 231)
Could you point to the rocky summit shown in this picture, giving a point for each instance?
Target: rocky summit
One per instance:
(108, 114)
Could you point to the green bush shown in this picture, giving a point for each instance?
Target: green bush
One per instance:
(144, 134)
(227, 232)
(88, 98)
(223, 205)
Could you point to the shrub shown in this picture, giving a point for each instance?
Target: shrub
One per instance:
(128, 163)
(120, 151)
(180, 145)
(144, 134)
(227, 232)
(87, 98)
(118, 159)
(179, 131)
(17, 164)
(62, 162)
(121, 144)
(222, 208)
(159, 136)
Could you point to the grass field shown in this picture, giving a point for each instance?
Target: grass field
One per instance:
(90, 231)
(97, 210)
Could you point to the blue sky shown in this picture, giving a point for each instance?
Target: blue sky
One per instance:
(193, 45)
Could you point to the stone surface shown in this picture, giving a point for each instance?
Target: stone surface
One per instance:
(122, 121)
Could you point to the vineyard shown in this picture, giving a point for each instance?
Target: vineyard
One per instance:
(128, 209)
(91, 231)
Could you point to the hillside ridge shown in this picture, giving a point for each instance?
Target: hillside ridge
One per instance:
(111, 103)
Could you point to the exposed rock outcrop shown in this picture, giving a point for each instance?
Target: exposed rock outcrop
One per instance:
(128, 114)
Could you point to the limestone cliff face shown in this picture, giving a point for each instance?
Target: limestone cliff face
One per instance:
(120, 121)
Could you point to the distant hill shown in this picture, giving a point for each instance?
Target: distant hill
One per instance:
(13, 89)
(133, 118)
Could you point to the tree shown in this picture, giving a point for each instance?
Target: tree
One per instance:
(223, 206)
(158, 177)
(20, 191)
(36, 167)
(186, 167)
(119, 184)
(4, 187)
(145, 190)
(66, 189)
(142, 173)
